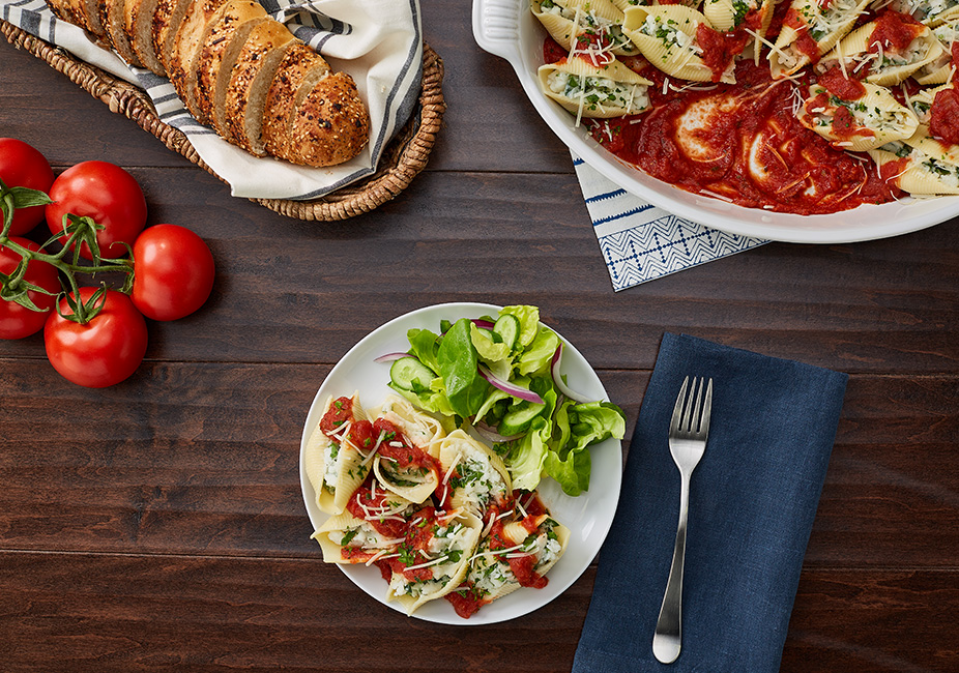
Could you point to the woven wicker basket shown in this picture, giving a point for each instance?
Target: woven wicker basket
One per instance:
(401, 161)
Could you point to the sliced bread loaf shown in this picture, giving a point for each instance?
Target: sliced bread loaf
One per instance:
(218, 53)
(299, 72)
(240, 119)
(190, 36)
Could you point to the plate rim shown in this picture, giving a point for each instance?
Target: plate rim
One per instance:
(598, 533)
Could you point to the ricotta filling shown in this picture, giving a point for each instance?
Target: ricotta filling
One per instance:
(599, 93)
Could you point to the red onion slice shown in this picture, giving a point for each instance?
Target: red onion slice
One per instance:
(558, 380)
(390, 357)
(508, 387)
(489, 434)
(485, 324)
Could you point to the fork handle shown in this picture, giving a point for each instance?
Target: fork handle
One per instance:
(667, 640)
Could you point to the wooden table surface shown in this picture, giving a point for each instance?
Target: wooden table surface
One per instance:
(158, 524)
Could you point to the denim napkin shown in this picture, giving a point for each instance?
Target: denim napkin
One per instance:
(753, 498)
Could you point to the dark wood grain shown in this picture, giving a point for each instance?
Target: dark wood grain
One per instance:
(159, 525)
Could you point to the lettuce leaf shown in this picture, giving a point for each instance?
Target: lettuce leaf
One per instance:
(527, 455)
(528, 317)
(457, 361)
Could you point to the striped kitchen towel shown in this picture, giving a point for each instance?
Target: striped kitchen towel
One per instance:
(641, 242)
(377, 42)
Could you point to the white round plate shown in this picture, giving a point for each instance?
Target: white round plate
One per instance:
(506, 28)
(588, 516)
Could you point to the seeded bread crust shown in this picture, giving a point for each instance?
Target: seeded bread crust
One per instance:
(331, 126)
(240, 120)
(117, 31)
(190, 36)
(139, 17)
(167, 18)
(299, 72)
(218, 54)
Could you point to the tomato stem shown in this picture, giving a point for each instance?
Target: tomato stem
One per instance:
(77, 231)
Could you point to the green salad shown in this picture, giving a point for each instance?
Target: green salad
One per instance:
(500, 375)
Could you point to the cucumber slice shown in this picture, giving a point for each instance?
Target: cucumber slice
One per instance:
(518, 418)
(405, 371)
(508, 328)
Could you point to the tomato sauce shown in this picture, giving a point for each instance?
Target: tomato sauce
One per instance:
(944, 119)
(836, 83)
(719, 48)
(397, 447)
(364, 505)
(893, 32)
(805, 43)
(340, 411)
(750, 150)
(465, 600)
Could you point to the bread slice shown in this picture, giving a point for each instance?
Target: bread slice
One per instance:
(72, 11)
(190, 36)
(298, 73)
(115, 25)
(214, 63)
(138, 18)
(240, 118)
(331, 125)
(167, 17)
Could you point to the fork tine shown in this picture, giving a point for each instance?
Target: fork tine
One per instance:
(688, 416)
(678, 409)
(707, 410)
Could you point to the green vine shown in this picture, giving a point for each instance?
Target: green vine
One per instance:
(77, 232)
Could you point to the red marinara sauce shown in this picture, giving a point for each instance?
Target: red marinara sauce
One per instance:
(360, 433)
(893, 32)
(523, 566)
(836, 83)
(419, 531)
(397, 447)
(804, 41)
(340, 411)
(944, 119)
(742, 143)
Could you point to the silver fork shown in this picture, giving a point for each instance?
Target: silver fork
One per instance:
(688, 431)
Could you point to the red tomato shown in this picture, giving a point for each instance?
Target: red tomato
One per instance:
(106, 350)
(18, 321)
(173, 272)
(109, 195)
(23, 166)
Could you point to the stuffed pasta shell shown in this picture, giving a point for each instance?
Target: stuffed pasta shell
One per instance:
(940, 70)
(922, 101)
(725, 15)
(408, 468)
(669, 36)
(612, 90)
(338, 453)
(930, 12)
(857, 124)
(474, 477)
(421, 428)
(433, 560)
(810, 30)
(886, 51)
(593, 28)
(513, 552)
(920, 165)
(377, 528)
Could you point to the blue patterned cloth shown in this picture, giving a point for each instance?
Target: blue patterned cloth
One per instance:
(640, 241)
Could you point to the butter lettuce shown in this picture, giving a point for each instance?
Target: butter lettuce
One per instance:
(551, 438)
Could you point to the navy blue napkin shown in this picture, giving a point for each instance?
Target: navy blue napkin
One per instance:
(753, 498)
